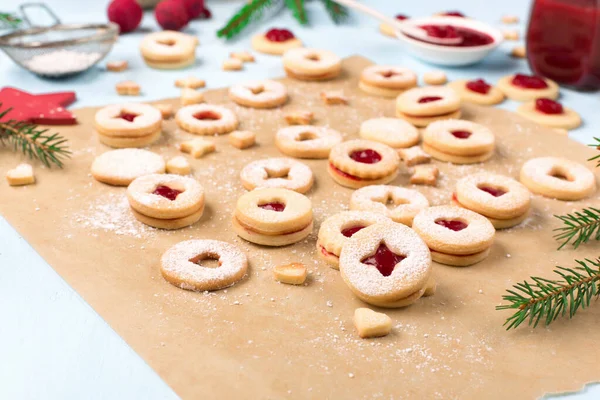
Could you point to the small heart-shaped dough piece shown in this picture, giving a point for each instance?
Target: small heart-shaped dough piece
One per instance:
(292, 274)
(371, 324)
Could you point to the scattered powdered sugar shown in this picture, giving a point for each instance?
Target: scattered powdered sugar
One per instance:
(61, 62)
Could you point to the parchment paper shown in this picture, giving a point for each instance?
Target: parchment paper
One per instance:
(264, 340)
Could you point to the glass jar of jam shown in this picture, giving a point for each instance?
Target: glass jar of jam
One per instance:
(563, 42)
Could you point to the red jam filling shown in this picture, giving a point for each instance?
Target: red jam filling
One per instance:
(384, 260)
(279, 35)
(344, 174)
(452, 224)
(470, 37)
(461, 134)
(366, 156)
(548, 106)
(273, 206)
(127, 116)
(453, 14)
(429, 99)
(401, 17)
(478, 86)
(167, 192)
(529, 82)
(494, 191)
(207, 116)
(348, 232)
(388, 74)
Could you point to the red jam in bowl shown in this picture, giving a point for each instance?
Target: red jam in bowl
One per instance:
(470, 37)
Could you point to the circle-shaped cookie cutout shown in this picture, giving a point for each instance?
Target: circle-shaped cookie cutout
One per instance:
(128, 121)
(311, 64)
(430, 101)
(181, 265)
(206, 119)
(459, 137)
(337, 229)
(121, 167)
(394, 132)
(165, 196)
(399, 204)
(168, 47)
(454, 230)
(477, 91)
(386, 264)
(558, 178)
(528, 87)
(307, 141)
(565, 119)
(493, 195)
(262, 44)
(386, 80)
(259, 94)
(278, 172)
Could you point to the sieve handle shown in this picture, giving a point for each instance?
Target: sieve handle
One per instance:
(47, 10)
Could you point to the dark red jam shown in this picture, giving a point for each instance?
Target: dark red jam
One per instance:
(348, 232)
(470, 37)
(273, 206)
(452, 224)
(279, 35)
(384, 260)
(167, 192)
(461, 134)
(207, 116)
(429, 99)
(344, 174)
(478, 86)
(366, 156)
(494, 191)
(127, 116)
(529, 82)
(401, 17)
(453, 14)
(548, 106)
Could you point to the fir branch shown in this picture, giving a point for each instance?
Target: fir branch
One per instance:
(297, 7)
(548, 299)
(597, 146)
(9, 20)
(579, 227)
(245, 16)
(49, 148)
(337, 12)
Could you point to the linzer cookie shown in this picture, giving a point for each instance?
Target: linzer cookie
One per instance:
(311, 64)
(455, 236)
(386, 265)
(273, 217)
(168, 50)
(558, 178)
(502, 200)
(275, 41)
(336, 230)
(206, 119)
(394, 132)
(549, 113)
(121, 167)
(128, 125)
(181, 265)
(386, 80)
(477, 91)
(521, 87)
(359, 163)
(307, 141)
(259, 94)
(458, 141)
(278, 172)
(422, 106)
(166, 201)
(399, 204)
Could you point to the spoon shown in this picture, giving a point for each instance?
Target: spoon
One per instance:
(406, 29)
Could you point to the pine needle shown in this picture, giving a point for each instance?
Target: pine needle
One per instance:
(297, 7)
(337, 12)
(9, 21)
(578, 227)
(249, 13)
(49, 148)
(546, 300)
(597, 146)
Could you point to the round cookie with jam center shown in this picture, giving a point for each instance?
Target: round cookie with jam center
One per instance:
(168, 50)
(422, 106)
(521, 87)
(477, 91)
(275, 41)
(386, 80)
(128, 121)
(548, 112)
(459, 138)
(206, 119)
(359, 163)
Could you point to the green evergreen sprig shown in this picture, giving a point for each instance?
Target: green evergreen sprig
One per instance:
(297, 7)
(9, 20)
(545, 299)
(49, 148)
(337, 12)
(597, 146)
(578, 227)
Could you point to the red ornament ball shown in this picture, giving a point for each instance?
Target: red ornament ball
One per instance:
(171, 15)
(193, 7)
(125, 13)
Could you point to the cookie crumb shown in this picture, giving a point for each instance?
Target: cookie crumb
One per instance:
(117, 66)
(299, 117)
(518, 52)
(435, 78)
(370, 324)
(413, 156)
(511, 34)
(232, 64)
(191, 96)
(128, 88)
(350, 375)
(425, 175)
(21, 175)
(334, 97)
(190, 82)
(242, 139)
(166, 110)
(243, 56)
(510, 19)
(292, 274)
(179, 165)
(198, 147)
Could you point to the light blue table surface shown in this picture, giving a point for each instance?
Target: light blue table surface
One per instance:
(52, 344)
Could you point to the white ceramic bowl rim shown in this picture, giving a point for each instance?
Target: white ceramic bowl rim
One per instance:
(453, 21)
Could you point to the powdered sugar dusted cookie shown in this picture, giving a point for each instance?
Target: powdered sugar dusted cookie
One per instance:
(386, 80)
(311, 64)
(458, 141)
(121, 167)
(206, 119)
(399, 204)
(422, 106)
(259, 94)
(394, 132)
(307, 141)
(278, 172)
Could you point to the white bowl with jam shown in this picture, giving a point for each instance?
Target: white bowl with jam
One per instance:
(478, 40)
